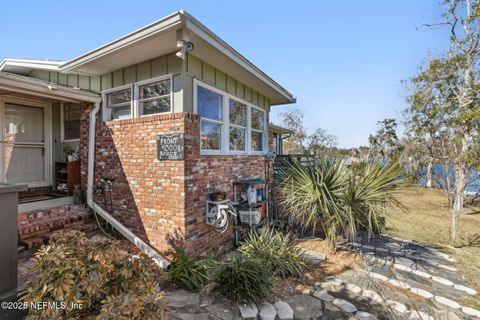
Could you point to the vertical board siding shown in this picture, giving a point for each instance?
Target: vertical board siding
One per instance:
(198, 69)
(129, 75)
(143, 71)
(117, 78)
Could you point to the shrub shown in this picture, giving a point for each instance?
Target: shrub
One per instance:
(94, 274)
(276, 251)
(187, 271)
(342, 199)
(243, 280)
(133, 306)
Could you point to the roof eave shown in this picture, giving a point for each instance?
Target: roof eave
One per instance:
(36, 87)
(128, 39)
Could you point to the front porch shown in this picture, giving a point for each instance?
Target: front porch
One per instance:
(39, 132)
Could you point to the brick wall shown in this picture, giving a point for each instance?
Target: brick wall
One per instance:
(162, 200)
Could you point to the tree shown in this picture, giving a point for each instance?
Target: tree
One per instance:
(293, 120)
(446, 101)
(320, 142)
(384, 143)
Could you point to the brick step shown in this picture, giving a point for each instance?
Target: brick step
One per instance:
(35, 228)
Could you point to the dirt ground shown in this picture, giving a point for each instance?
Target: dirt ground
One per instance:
(336, 262)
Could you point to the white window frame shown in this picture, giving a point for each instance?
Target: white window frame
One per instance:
(221, 123)
(62, 125)
(137, 100)
(48, 138)
(105, 108)
(265, 131)
(225, 145)
(229, 124)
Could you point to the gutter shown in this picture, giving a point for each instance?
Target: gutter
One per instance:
(130, 236)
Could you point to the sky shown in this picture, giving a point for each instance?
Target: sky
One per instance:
(344, 61)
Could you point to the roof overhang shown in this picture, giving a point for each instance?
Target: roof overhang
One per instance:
(25, 66)
(17, 84)
(278, 129)
(160, 38)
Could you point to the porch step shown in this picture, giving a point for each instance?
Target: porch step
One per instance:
(34, 228)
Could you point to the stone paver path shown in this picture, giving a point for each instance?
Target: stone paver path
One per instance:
(399, 280)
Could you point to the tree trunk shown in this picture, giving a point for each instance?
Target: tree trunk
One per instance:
(458, 197)
(429, 174)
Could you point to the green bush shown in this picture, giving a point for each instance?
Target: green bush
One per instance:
(187, 271)
(276, 251)
(98, 274)
(340, 199)
(243, 280)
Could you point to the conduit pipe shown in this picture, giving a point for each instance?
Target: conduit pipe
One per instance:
(129, 235)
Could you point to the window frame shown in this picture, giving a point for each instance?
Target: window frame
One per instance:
(105, 107)
(137, 100)
(62, 124)
(225, 132)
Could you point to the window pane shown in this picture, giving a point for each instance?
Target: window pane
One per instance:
(24, 164)
(155, 89)
(71, 111)
(237, 139)
(238, 113)
(156, 106)
(71, 121)
(210, 104)
(120, 96)
(24, 124)
(123, 112)
(257, 141)
(210, 135)
(71, 129)
(258, 119)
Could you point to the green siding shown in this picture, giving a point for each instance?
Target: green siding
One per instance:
(159, 66)
(129, 75)
(143, 71)
(197, 69)
(117, 78)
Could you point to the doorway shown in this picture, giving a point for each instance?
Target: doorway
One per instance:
(25, 142)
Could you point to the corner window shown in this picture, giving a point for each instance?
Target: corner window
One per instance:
(238, 125)
(71, 121)
(228, 124)
(258, 129)
(119, 104)
(210, 108)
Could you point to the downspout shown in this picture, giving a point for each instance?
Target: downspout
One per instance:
(129, 235)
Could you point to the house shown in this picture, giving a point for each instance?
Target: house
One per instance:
(154, 121)
(278, 134)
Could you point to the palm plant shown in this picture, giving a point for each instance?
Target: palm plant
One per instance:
(341, 199)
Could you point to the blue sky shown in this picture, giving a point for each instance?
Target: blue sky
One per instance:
(343, 60)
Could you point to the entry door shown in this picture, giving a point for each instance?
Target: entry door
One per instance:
(25, 151)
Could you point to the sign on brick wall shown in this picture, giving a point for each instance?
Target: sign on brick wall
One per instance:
(170, 146)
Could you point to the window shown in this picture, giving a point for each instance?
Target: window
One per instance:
(118, 104)
(257, 129)
(152, 96)
(210, 108)
(71, 121)
(238, 125)
(228, 124)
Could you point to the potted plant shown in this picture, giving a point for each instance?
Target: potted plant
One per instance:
(69, 152)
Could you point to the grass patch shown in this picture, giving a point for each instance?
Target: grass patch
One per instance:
(428, 221)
